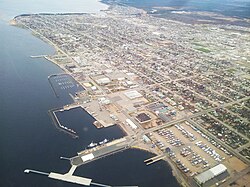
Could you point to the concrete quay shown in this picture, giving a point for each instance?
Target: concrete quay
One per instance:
(98, 152)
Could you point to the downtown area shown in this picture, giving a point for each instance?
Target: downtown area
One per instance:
(178, 90)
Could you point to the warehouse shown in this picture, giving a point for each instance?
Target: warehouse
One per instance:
(143, 118)
(131, 124)
(210, 174)
(133, 94)
(103, 81)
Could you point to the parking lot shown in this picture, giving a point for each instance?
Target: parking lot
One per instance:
(192, 150)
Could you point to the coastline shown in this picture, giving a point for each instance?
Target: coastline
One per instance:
(175, 172)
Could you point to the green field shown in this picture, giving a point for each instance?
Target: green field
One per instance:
(203, 50)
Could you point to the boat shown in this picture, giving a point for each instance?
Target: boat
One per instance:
(103, 142)
(26, 171)
(92, 144)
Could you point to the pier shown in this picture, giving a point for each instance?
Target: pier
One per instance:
(87, 156)
(154, 159)
(36, 172)
(101, 151)
(38, 56)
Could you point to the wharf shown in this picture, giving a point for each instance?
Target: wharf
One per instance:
(154, 159)
(69, 177)
(98, 152)
(69, 107)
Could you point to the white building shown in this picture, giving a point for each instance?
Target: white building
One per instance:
(131, 124)
(103, 81)
(211, 173)
(133, 94)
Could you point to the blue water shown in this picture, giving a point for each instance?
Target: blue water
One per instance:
(234, 8)
(63, 85)
(28, 137)
(82, 123)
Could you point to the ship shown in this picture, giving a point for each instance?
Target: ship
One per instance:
(92, 144)
(103, 142)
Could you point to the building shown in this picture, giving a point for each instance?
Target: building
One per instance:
(133, 94)
(146, 139)
(131, 124)
(143, 118)
(103, 81)
(210, 174)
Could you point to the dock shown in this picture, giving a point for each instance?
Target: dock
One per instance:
(38, 56)
(87, 156)
(101, 151)
(70, 178)
(154, 159)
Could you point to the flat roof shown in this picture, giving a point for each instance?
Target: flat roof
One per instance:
(87, 157)
(143, 117)
(218, 169)
(104, 80)
(133, 94)
(211, 173)
(131, 123)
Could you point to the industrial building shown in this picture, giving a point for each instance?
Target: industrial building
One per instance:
(131, 124)
(143, 118)
(210, 174)
(133, 94)
(103, 81)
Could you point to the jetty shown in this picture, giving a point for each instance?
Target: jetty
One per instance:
(38, 56)
(154, 159)
(58, 124)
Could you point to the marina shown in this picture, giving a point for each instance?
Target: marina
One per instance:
(63, 84)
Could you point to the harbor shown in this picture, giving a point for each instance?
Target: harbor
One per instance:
(27, 128)
(184, 111)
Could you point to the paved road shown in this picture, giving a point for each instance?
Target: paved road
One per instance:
(236, 177)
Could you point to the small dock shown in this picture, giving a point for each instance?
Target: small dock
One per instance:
(38, 56)
(154, 159)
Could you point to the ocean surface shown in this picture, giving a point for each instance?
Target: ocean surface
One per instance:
(28, 138)
(233, 8)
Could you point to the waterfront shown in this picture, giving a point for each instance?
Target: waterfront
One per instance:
(29, 140)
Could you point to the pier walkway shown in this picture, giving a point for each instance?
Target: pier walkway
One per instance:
(154, 159)
(38, 56)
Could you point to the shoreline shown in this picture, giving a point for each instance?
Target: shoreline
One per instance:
(175, 173)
